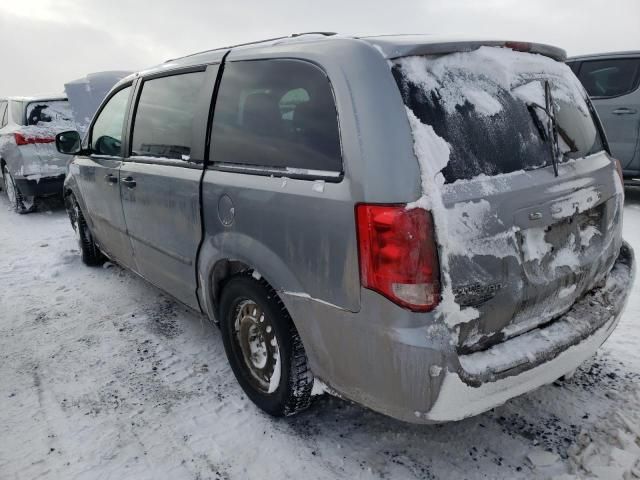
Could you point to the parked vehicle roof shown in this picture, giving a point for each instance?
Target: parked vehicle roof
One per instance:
(35, 98)
(627, 53)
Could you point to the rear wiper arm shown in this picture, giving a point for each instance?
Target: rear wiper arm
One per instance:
(551, 132)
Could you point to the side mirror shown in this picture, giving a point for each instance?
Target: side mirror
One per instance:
(69, 142)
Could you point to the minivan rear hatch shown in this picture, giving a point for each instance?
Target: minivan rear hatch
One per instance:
(532, 199)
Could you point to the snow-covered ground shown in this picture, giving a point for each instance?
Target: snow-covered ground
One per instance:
(103, 376)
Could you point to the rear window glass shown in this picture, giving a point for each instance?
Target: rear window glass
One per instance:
(164, 118)
(483, 103)
(51, 112)
(610, 78)
(276, 114)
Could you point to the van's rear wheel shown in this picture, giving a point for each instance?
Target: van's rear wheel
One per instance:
(263, 347)
(18, 202)
(90, 252)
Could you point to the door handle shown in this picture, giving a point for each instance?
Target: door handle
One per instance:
(129, 182)
(625, 111)
(110, 178)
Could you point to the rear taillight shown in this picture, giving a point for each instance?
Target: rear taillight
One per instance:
(22, 139)
(398, 255)
(518, 46)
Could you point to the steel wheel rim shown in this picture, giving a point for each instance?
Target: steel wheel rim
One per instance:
(256, 346)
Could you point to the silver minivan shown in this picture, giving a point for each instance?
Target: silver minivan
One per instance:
(426, 226)
(613, 82)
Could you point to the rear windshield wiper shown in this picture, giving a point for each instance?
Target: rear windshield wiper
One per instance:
(552, 130)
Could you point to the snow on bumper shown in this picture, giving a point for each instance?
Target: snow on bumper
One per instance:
(491, 377)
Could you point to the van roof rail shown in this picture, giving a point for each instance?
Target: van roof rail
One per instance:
(256, 42)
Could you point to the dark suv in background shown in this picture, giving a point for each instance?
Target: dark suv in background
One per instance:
(613, 82)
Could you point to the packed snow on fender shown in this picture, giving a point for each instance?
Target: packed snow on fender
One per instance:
(105, 377)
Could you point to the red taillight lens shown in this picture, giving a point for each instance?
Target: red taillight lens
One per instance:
(518, 46)
(398, 255)
(22, 139)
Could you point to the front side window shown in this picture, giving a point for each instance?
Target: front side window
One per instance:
(610, 78)
(164, 118)
(278, 114)
(106, 135)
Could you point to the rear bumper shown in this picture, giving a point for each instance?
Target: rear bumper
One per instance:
(489, 378)
(42, 187)
(405, 364)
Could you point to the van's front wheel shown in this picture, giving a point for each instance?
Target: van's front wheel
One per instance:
(91, 254)
(263, 347)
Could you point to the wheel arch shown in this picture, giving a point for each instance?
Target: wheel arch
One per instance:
(70, 188)
(240, 254)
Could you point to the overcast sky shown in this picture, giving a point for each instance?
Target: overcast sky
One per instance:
(44, 43)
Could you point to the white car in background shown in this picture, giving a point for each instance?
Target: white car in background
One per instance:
(31, 166)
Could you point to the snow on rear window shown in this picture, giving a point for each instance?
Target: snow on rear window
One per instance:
(51, 112)
(482, 104)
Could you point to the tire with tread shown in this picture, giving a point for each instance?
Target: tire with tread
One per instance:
(91, 254)
(293, 393)
(16, 199)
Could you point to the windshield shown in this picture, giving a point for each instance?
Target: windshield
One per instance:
(55, 112)
(489, 105)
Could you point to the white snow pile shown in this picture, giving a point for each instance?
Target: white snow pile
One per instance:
(482, 76)
(535, 246)
(612, 451)
(467, 223)
(433, 153)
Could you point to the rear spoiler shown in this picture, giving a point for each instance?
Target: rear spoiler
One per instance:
(394, 49)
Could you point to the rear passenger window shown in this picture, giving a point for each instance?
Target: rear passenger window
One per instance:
(610, 78)
(278, 114)
(163, 125)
